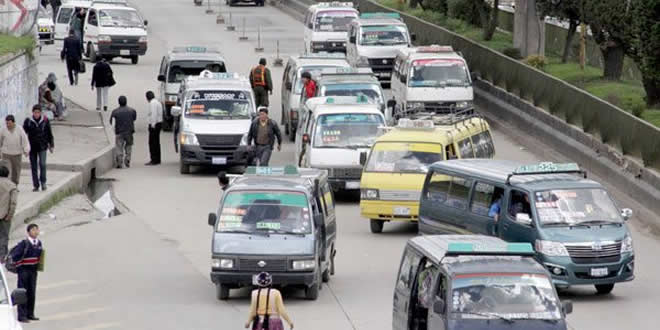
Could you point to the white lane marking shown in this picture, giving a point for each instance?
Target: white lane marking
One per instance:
(100, 326)
(68, 315)
(43, 302)
(58, 285)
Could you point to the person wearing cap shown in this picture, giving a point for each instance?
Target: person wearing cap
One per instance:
(263, 132)
(267, 307)
(309, 85)
(14, 144)
(261, 83)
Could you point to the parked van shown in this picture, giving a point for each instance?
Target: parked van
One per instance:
(373, 41)
(578, 232)
(65, 15)
(399, 160)
(333, 133)
(432, 79)
(215, 114)
(457, 282)
(349, 82)
(112, 30)
(292, 84)
(179, 63)
(326, 24)
(279, 220)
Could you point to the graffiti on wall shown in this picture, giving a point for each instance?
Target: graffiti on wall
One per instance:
(18, 17)
(18, 87)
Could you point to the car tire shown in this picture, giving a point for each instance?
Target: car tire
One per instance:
(183, 167)
(376, 226)
(332, 261)
(604, 288)
(135, 59)
(312, 292)
(91, 53)
(292, 133)
(221, 291)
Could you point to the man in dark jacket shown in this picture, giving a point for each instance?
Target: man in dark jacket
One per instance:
(72, 53)
(124, 118)
(27, 254)
(261, 83)
(41, 139)
(102, 79)
(263, 132)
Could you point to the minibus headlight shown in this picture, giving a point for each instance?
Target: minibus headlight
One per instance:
(550, 248)
(244, 139)
(463, 104)
(414, 105)
(369, 193)
(222, 263)
(104, 38)
(303, 264)
(189, 139)
(627, 244)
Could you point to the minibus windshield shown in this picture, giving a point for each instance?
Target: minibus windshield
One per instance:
(395, 157)
(575, 206)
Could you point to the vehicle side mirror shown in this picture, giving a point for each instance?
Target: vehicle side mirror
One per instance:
(413, 37)
(439, 306)
(567, 306)
(305, 138)
(351, 39)
(391, 104)
(175, 111)
(146, 22)
(626, 214)
(288, 86)
(363, 158)
(212, 219)
(161, 77)
(19, 297)
(523, 218)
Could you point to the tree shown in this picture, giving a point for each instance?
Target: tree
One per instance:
(645, 48)
(611, 24)
(569, 10)
(490, 23)
(414, 3)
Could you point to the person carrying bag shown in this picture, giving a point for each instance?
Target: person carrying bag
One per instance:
(268, 317)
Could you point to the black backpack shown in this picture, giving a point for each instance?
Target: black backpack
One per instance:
(10, 263)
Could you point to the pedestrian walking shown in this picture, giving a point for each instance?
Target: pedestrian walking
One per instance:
(155, 125)
(267, 307)
(55, 5)
(13, 145)
(27, 254)
(261, 83)
(263, 132)
(102, 79)
(124, 118)
(72, 53)
(41, 140)
(77, 24)
(8, 196)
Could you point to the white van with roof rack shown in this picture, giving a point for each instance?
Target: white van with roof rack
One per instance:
(326, 25)
(215, 113)
(432, 79)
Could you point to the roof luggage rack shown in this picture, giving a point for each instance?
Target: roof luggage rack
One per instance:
(547, 168)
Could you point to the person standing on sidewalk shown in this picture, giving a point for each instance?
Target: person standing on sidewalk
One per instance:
(155, 125)
(263, 132)
(8, 196)
(41, 139)
(261, 83)
(102, 79)
(13, 145)
(72, 53)
(28, 255)
(124, 118)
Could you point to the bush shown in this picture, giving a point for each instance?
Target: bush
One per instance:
(467, 10)
(536, 61)
(638, 108)
(513, 53)
(439, 6)
(456, 25)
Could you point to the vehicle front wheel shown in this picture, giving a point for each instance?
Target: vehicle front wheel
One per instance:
(312, 292)
(183, 167)
(221, 291)
(376, 226)
(91, 53)
(292, 133)
(604, 288)
(134, 59)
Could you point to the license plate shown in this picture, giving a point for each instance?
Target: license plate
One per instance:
(219, 160)
(400, 210)
(385, 74)
(599, 272)
(353, 185)
(124, 52)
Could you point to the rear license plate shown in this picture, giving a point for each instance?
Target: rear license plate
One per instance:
(385, 74)
(599, 272)
(353, 185)
(219, 160)
(124, 52)
(400, 210)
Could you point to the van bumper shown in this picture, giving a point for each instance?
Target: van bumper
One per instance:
(196, 155)
(279, 279)
(385, 210)
(580, 274)
(116, 49)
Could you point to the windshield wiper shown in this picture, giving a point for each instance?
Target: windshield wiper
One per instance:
(598, 222)
(491, 315)
(355, 146)
(244, 231)
(288, 232)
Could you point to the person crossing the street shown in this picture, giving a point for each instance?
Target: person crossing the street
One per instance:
(263, 132)
(28, 254)
(124, 118)
(261, 83)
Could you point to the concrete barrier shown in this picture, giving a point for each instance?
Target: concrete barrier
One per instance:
(18, 84)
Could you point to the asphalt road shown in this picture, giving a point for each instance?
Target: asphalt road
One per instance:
(158, 255)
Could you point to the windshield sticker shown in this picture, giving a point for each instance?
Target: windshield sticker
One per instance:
(551, 214)
(565, 194)
(325, 27)
(215, 95)
(384, 167)
(438, 62)
(231, 210)
(268, 225)
(292, 199)
(546, 205)
(229, 225)
(231, 218)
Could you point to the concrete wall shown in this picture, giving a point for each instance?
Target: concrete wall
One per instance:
(18, 17)
(18, 85)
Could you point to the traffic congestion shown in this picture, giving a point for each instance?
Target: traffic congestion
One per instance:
(371, 119)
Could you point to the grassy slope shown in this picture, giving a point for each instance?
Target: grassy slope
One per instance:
(9, 44)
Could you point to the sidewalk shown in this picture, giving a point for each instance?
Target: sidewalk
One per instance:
(82, 151)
